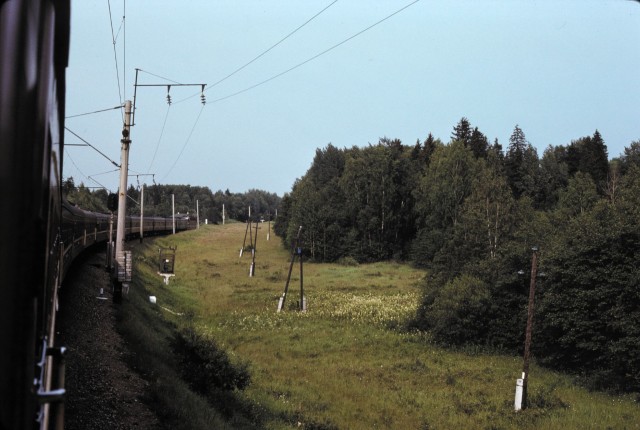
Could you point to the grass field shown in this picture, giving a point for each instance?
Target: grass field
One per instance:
(346, 363)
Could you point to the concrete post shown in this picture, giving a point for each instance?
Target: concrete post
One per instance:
(124, 170)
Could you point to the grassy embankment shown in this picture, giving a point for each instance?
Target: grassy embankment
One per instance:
(346, 363)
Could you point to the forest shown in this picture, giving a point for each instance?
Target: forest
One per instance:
(186, 198)
(472, 214)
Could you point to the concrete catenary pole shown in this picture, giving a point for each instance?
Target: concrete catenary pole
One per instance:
(124, 169)
(141, 212)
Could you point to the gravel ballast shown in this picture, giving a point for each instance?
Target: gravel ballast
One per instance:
(102, 391)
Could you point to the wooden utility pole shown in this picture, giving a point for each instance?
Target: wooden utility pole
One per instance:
(252, 269)
(296, 250)
(269, 224)
(244, 242)
(521, 397)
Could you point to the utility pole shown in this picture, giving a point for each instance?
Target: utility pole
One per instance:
(296, 249)
(124, 169)
(141, 212)
(121, 259)
(142, 201)
(521, 396)
(173, 212)
(254, 244)
(269, 225)
(197, 214)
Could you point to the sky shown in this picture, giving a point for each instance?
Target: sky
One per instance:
(284, 78)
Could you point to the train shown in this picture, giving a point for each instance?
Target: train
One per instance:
(81, 229)
(40, 233)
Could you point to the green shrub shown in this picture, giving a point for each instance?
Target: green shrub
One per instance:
(348, 261)
(205, 367)
(457, 313)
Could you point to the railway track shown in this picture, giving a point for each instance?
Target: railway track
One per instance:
(103, 392)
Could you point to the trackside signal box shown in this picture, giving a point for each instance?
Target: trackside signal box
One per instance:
(166, 262)
(167, 259)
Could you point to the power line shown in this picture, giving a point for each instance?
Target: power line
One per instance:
(281, 73)
(102, 186)
(82, 174)
(74, 164)
(95, 111)
(185, 144)
(273, 46)
(115, 55)
(96, 149)
(264, 52)
(104, 173)
(317, 55)
(164, 123)
(124, 47)
(158, 76)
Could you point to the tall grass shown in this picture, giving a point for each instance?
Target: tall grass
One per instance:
(346, 363)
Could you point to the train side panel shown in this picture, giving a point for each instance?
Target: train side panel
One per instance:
(34, 43)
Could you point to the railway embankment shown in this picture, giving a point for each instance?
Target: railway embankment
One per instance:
(103, 392)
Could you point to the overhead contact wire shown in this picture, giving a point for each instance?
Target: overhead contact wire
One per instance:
(315, 56)
(264, 52)
(159, 138)
(74, 164)
(95, 111)
(185, 144)
(273, 46)
(96, 149)
(115, 57)
(161, 77)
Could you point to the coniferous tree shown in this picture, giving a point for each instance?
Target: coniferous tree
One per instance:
(631, 156)
(429, 146)
(589, 155)
(478, 143)
(462, 131)
(521, 164)
(553, 179)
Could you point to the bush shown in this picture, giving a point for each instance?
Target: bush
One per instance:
(457, 313)
(587, 320)
(348, 261)
(205, 367)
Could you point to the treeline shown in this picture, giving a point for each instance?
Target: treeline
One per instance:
(158, 201)
(471, 213)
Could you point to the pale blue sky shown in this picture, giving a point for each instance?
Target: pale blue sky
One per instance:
(559, 69)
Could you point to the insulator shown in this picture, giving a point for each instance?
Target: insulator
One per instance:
(169, 99)
(203, 99)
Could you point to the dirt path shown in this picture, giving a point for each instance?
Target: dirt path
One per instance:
(102, 391)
